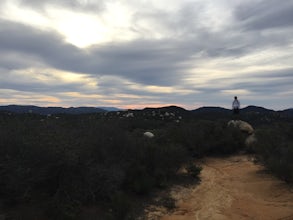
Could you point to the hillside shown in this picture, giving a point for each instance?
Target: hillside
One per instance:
(202, 111)
(68, 166)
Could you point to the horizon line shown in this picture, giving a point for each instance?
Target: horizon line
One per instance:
(144, 107)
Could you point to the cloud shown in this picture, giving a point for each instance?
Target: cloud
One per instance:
(28, 98)
(82, 5)
(269, 87)
(45, 81)
(41, 45)
(151, 62)
(189, 52)
(266, 14)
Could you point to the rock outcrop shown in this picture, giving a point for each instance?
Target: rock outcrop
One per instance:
(246, 128)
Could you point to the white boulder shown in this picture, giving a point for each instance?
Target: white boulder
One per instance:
(247, 128)
(148, 134)
(242, 125)
(129, 115)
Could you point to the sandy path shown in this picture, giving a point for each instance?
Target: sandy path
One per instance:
(230, 188)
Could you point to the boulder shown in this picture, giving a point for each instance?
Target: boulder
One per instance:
(250, 140)
(148, 134)
(246, 128)
(242, 125)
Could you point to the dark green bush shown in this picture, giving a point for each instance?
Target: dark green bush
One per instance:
(73, 161)
(167, 202)
(122, 206)
(204, 137)
(274, 148)
(193, 170)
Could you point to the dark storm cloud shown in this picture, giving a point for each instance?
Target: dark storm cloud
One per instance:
(285, 74)
(149, 62)
(40, 45)
(266, 14)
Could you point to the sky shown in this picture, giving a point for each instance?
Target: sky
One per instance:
(146, 53)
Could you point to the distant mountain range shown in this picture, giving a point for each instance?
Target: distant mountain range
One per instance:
(87, 110)
(171, 108)
(250, 108)
(50, 110)
(110, 109)
(211, 110)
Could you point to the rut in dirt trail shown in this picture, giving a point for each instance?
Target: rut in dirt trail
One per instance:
(231, 188)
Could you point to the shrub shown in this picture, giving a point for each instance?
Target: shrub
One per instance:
(82, 159)
(193, 170)
(274, 149)
(121, 206)
(204, 137)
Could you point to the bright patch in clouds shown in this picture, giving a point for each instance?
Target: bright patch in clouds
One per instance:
(85, 29)
(11, 10)
(236, 91)
(50, 76)
(160, 89)
(78, 28)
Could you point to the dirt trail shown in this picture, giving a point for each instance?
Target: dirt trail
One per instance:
(230, 188)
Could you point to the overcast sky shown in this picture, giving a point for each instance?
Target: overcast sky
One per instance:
(138, 53)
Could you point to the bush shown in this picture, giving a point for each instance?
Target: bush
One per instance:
(274, 149)
(74, 161)
(193, 170)
(82, 160)
(202, 138)
(122, 205)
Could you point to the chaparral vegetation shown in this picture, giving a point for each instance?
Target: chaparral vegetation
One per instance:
(61, 166)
